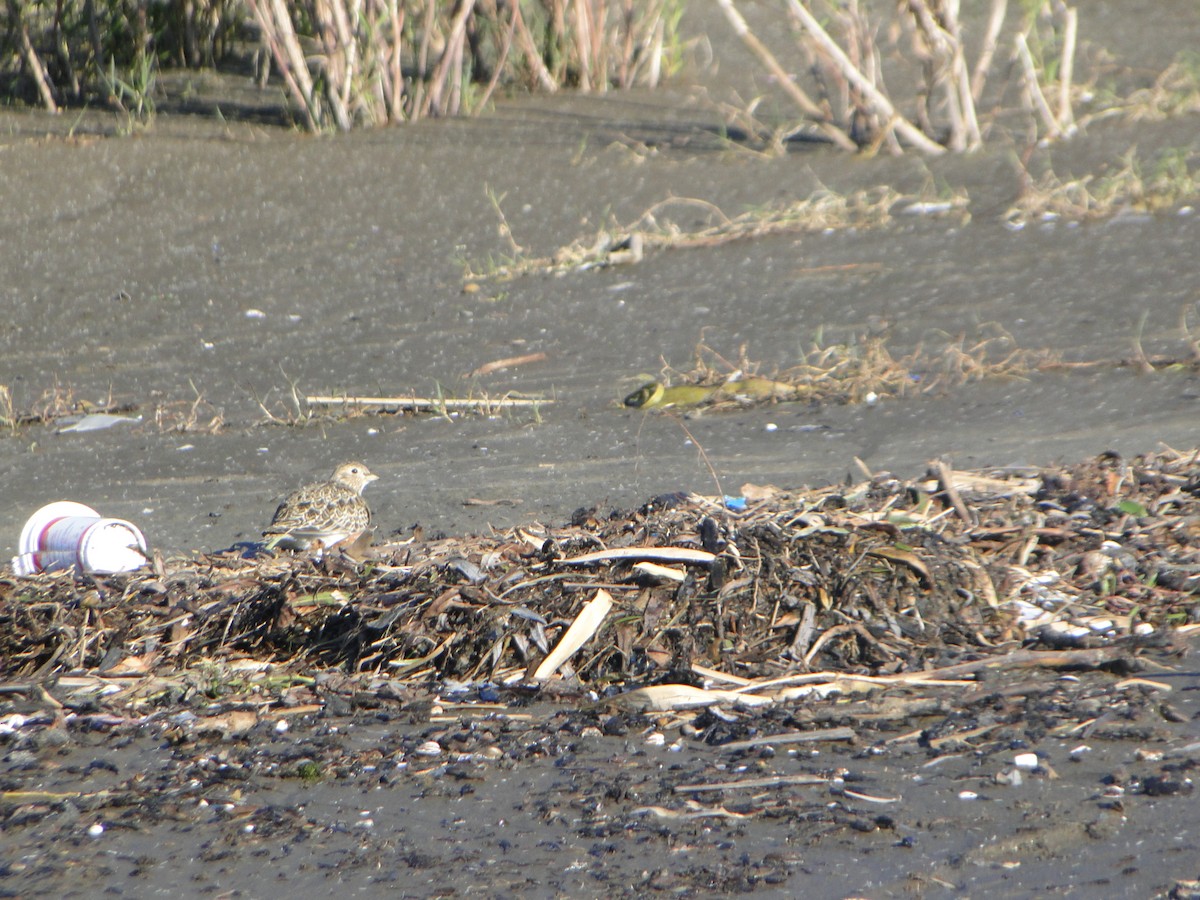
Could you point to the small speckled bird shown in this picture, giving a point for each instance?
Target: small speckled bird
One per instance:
(326, 513)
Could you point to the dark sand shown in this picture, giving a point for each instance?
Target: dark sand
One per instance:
(129, 265)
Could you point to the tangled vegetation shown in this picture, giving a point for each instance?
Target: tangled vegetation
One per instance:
(342, 63)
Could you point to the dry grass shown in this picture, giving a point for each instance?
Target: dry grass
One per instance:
(1175, 92)
(866, 370)
(1172, 178)
(860, 371)
(55, 402)
(660, 228)
(58, 402)
(197, 415)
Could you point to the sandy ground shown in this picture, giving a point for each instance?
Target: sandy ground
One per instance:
(224, 265)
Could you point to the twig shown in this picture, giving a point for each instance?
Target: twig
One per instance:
(703, 455)
(508, 363)
(945, 479)
(844, 733)
(768, 781)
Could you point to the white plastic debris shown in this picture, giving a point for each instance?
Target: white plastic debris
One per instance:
(927, 207)
(1026, 761)
(65, 534)
(96, 422)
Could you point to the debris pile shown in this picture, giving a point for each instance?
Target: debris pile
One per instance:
(801, 591)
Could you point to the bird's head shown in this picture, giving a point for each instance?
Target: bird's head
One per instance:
(354, 475)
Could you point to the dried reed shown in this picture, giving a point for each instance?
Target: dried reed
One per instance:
(857, 110)
(343, 62)
(349, 62)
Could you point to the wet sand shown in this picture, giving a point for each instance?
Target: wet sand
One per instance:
(130, 265)
(547, 801)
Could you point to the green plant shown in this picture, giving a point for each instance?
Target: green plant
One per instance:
(132, 91)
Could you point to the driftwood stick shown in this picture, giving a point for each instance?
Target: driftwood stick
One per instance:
(420, 403)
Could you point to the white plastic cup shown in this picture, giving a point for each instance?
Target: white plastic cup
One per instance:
(64, 535)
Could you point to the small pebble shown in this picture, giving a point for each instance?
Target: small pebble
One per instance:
(96, 830)
(1011, 777)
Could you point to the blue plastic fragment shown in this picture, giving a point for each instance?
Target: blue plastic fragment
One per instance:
(737, 504)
